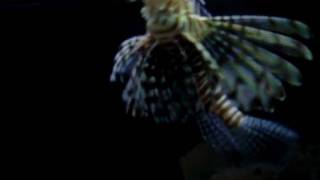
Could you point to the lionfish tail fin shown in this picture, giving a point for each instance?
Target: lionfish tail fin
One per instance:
(264, 139)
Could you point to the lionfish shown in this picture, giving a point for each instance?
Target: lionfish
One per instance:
(192, 65)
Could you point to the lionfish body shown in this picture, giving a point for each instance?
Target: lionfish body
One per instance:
(192, 65)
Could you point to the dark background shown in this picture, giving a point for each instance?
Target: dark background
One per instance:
(58, 55)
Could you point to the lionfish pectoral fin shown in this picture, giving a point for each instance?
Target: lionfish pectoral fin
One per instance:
(206, 56)
(130, 53)
(265, 140)
(252, 53)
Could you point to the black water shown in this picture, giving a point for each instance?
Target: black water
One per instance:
(58, 55)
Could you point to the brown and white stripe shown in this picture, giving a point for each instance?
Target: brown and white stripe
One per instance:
(215, 100)
(223, 107)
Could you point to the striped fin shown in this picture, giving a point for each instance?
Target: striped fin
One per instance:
(206, 56)
(245, 74)
(125, 69)
(239, 49)
(129, 63)
(245, 96)
(134, 94)
(199, 7)
(126, 48)
(269, 60)
(280, 68)
(276, 41)
(241, 70)
(126, 58)
(276, 24)
(168, 89)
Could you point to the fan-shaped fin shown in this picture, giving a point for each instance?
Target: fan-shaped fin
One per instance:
(269, 60)
(277, 41)
(243, 76)
(276, 24)
(199, 7)
(126, 58)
